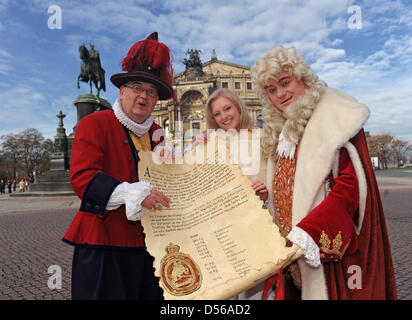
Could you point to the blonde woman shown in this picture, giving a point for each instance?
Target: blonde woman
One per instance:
(224, 109)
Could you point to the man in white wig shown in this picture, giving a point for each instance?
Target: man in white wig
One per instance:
(321, 187)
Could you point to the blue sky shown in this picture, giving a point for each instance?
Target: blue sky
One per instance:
(39, 66)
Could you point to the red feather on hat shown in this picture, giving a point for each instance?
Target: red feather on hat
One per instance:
(150, 52)
(147, 52)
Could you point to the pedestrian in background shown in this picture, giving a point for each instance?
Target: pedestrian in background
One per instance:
(2, 186)
(21, 185)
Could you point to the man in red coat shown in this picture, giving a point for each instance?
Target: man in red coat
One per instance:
(110, 259)
(320, 185)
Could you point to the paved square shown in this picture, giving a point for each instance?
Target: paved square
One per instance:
(31, 229)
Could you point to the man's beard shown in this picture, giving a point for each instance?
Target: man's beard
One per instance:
(298, 114)
(292, 121)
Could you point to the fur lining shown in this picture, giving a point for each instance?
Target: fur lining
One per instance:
(313, 282)
(363, 189)
(336, 119)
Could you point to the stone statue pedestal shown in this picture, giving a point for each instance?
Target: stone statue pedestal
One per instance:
(87, 104)
(58, 161)
(194, 73)
(56, 179)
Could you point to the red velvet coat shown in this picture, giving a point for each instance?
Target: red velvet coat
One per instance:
(368, 254)
(348, 223)
(374, 257)
(103, 156)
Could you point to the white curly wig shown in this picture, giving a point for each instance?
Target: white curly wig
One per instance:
(294, 119)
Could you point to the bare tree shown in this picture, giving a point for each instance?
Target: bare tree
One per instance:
(10, 152)
(28, 149)
(30, 144)
(381, 146)
(400, 149)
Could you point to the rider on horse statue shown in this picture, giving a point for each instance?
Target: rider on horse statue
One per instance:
(91, 69)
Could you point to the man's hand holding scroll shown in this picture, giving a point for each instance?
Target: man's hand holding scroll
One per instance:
(156, 201)
(137, 197)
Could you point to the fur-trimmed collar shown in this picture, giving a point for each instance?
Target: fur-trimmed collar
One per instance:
(336, 119)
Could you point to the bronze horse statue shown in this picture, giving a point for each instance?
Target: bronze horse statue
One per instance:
(91, 70)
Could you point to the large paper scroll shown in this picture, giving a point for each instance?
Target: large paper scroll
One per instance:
(216, 240)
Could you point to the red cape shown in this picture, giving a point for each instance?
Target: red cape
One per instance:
(373, 260)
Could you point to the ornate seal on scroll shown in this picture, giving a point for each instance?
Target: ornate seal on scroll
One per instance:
(180, 275)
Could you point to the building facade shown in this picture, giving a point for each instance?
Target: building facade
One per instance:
(193, 87)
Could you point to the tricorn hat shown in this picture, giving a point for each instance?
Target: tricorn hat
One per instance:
(148, 61)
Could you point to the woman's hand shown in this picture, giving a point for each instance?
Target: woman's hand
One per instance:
(163, 154)
(200, 138)
(260, 190)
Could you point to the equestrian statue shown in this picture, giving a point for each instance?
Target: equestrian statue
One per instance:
(91, 69)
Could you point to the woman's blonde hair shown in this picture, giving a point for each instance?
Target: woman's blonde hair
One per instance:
(293, 120)
(245, 120)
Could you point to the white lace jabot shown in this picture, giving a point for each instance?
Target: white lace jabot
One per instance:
(285, 148)
(139, 129)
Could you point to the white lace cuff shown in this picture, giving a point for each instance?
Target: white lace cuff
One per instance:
(132, 195)
(309, 246)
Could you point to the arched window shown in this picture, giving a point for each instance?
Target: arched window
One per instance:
(191, 98)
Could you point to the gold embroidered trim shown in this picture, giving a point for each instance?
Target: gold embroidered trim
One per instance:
(337, 244)
(283, 182)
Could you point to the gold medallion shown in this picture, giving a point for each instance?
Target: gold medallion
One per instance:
(180, 275)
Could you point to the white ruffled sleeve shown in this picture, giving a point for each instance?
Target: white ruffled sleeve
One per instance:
(132, 195)
(309, 246)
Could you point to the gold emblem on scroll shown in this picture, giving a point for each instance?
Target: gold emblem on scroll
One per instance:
(179, 274)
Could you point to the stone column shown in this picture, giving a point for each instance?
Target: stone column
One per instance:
(59, 159)
(87, 104)
(57, 178)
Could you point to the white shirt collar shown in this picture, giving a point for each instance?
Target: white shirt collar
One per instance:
(139, 129)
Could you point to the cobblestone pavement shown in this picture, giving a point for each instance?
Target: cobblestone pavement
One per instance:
(396, 192)
(31, 229)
